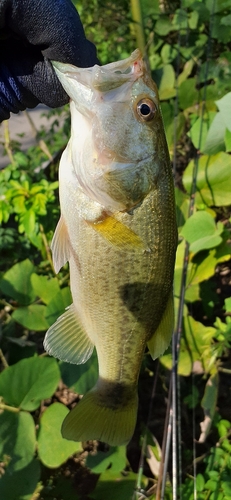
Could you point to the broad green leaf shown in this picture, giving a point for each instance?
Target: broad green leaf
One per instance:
(115, 457)
(168, 53)
(198, 340)
(81, 378)
(180, 19)
(227, 140)
(53, 449)
(193, 20)
(31, 317)
(228, 304)
(113, 485)
(167, 84)
(215, 140)
(163, 25)
(201, 232)
(220, 31)
(17, 440)
(200, 482)
(213, 179)
(28, 221)
(16, 283)
(44, 287)
(224, 106)
(29, 381)
(186, 72)
(182, 206)
(198, 132)
(188, 94)
(57, 305)
(209, 400)
(217, 5)
(203, 265)
(21, 484)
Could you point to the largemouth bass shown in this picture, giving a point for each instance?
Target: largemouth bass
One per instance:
(118, 232)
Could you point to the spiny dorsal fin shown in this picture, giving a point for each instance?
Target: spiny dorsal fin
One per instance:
(67, 340)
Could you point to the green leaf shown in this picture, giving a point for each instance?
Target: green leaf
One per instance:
(29, 381)
(81, 378)
(215, 140)
(21, 484)
(57, 305)
(201, 232)
(112, 485)
(209, 400)
(32, 317)
(163, 25)
(21, 159)
(200, 482)
(185, 73)
(204, 265)
(198, 341)
(211, 485)
(224, 106)
(53, 449)
(115, 457)
(228, 305)
(167, 84)
(182, 206)
(188, 94)
(44, 287)
(28, 221)
(17, 440)
(213, 179)
(16, 283)
(199, 130)
(227, 140)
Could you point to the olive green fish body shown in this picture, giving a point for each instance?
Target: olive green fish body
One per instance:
(118, 232)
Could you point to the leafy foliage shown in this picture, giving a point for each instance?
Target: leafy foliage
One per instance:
(188, 46)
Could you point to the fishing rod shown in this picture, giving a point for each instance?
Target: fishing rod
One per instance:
(172, 430)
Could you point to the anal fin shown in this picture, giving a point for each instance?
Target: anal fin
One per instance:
(161, 338)
(67, 340)
(60, 246)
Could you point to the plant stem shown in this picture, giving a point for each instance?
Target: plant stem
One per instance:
(47, 248)
(224, 370)
(9, 408)
(41, 142)
(7, 141)
(3, 359)
(138, 24)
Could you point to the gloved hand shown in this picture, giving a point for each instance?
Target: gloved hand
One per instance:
(31, 33)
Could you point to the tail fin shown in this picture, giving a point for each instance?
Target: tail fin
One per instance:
(93, 419)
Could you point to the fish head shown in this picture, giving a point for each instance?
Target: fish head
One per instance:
(117, 140)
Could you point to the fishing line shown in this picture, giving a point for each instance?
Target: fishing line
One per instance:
(174, 390)
(144, 444)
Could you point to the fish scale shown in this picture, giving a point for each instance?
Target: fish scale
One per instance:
(118, 232)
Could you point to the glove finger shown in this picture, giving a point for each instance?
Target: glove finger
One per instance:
(26, 79)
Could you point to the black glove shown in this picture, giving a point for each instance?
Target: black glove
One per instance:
(31, 33)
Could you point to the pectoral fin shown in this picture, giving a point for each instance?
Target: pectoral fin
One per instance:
(60, 246)
(118, 235)
(67, 340)
(161, 338)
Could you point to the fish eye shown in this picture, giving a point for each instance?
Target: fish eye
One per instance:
(146, 109)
